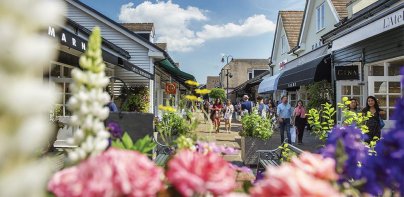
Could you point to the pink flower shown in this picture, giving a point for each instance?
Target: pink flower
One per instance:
(112, 173)
(287, 180)
(316, 165)
(198, 173)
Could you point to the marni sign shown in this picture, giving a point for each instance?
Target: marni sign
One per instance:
(68, 39)
(347, 73)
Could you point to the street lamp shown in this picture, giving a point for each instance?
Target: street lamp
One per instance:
(227, 72)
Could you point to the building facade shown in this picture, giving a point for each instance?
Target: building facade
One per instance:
(238, 71)
(367, 53)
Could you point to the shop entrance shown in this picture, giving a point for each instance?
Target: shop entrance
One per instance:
(387, 90)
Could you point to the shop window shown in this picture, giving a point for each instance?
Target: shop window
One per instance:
(376, 70)
(293, 99)
(394, 67)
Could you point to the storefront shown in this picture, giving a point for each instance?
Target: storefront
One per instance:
(303, 71)
(367, 54)
(72, 46)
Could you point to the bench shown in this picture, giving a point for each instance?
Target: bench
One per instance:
(161, 153)
(273, 157)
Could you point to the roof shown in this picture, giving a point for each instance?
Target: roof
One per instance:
(341, 7)
(251, 82)
(136, 27)
(292, 22)
(162, 46)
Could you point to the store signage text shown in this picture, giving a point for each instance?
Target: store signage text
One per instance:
(347, 72)
(394, 20)
(68, 39)
(290, 85)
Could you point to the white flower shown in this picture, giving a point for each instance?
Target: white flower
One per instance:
(88, 101)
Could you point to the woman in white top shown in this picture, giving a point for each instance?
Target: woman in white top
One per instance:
(228, 115)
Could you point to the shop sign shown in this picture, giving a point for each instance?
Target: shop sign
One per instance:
(68, 39)
(171, 88)
(390, 21)
(347, 72)
(291, 85)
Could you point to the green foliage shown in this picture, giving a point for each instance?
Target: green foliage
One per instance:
(287, 154)
(350, 117)
(255, 125)
(136, 99)
(322, 121)
(184, 142)
(319, 93)
(144, 145)
(172, 125)
(218, 93)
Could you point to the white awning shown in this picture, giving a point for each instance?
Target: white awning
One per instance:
(269, 84)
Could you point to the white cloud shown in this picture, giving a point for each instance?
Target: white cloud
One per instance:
(172, 24)
(252, 26)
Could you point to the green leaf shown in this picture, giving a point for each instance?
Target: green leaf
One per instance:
(117, 144)
(144, 145)
(127, 141)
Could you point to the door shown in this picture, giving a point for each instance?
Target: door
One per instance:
(350, 89)
(386, 89)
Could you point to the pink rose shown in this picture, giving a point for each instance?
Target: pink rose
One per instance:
(197, 173)
(316, 165)
(287, 180)
(112, 173)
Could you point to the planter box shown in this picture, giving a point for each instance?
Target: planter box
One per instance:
(249, 146)
(136, 124)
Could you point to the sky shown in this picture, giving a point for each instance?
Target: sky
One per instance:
(200, 32)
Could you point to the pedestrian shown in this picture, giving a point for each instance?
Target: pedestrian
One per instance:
(216, 114)
(271, 109)
(262, 108)
(111, 104)
(228, 115)
(206, 106)
(299, 115)
(374, 122)
(353, 105)
(246, 106)
(284, 112)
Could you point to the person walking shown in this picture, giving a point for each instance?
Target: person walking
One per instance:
(216, 114)
(374, 122)
(300, 120)
(284, 112)
(246, 105)
(228, 115)
(271, 109)
(262, 108)
(206, 106)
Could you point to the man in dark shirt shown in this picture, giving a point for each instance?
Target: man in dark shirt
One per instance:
(246, 105)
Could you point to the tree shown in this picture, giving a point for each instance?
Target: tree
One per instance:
(218, 93)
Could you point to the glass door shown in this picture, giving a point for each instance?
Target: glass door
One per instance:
(386, 90)
(350, 89)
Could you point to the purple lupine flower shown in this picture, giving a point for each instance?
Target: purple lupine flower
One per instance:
(352, 142)
(386, 169)
(115, 130)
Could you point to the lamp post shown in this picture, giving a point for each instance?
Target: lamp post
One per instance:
(227, 73)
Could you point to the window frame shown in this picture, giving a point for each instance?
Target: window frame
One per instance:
(320, 17)
(284, 44)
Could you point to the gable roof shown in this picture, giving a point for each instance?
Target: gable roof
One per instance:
(136, 27)
(340, 7)
(292, 22)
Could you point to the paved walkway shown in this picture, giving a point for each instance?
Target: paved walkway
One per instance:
(233, 139)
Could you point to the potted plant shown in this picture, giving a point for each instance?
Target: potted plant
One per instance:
(256, 133)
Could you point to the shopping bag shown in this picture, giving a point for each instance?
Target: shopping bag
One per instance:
(293, 134)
